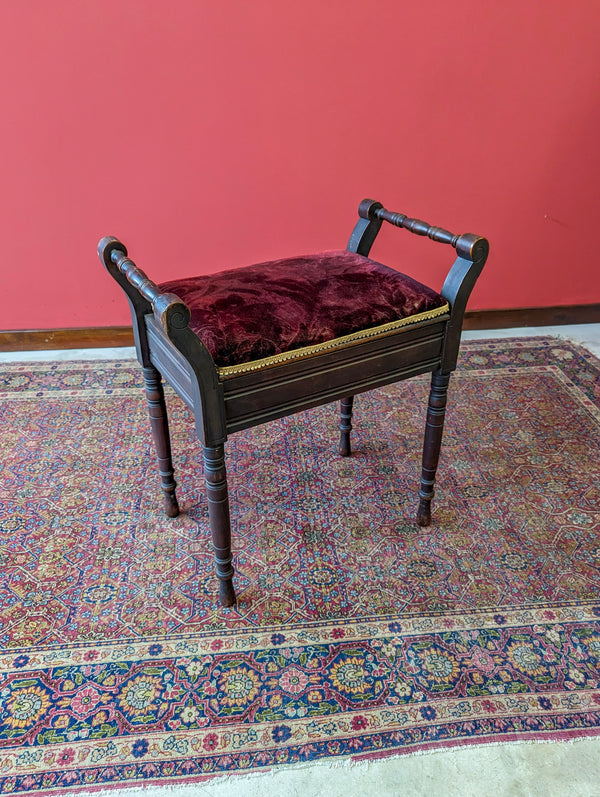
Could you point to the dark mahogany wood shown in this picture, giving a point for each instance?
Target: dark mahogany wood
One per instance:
(223, 405)
(215, 477)
(417, 227)
(159, 423)
(345, 425)
(434, 427)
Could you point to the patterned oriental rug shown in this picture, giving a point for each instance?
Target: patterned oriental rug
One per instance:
(356, 633)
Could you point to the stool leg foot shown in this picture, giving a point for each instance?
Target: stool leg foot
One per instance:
(424, 512)
(434, 428)
(220, 524)
(227, 593)
(345, 425)
(159, 422)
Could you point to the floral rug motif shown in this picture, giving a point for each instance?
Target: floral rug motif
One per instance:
(355, 633)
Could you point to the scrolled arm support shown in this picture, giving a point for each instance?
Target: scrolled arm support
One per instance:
(171, 311)
(472, 251)
(168, 308)
(173, 316)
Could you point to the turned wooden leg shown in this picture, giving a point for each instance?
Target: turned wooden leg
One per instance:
(220, 524)
(434, 428)
(162, 441)
(345, 425)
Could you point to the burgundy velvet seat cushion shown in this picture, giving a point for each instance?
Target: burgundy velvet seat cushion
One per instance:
(262, 310)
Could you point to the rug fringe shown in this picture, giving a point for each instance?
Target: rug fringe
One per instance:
(240, 785)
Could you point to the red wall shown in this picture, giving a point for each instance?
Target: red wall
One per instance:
(211, 134)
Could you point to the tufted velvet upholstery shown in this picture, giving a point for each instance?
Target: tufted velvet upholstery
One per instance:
(262, 310)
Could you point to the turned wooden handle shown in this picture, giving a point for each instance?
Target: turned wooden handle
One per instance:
(135, 276)
(417, 226)
(471, 247)
(168, 309)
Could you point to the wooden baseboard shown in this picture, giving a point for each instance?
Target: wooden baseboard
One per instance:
(79, 338)
(532, 317)
(112, 337)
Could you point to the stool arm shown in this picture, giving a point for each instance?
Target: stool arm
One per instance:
(470, 248)
(168, 309)
(173, 317)
(457, 288)
(371, 211)
(472, 251)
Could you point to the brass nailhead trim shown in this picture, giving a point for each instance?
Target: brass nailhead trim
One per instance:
(337, 343)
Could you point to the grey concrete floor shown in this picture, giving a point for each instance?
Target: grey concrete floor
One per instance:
(565, 768)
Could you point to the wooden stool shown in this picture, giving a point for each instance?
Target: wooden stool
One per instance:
(246, 346)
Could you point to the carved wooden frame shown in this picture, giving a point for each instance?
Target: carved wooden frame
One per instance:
(167, 346)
